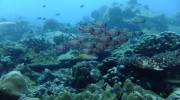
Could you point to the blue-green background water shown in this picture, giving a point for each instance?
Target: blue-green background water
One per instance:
(70, 10)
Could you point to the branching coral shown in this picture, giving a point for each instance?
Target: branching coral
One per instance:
(37, 44)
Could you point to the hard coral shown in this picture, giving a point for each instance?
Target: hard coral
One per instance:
(166, 41)
(37, 44)
(13, 84)
(85, 73)
(161, 61)
(134, 92)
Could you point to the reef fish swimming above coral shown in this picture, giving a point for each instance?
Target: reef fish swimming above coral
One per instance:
(89, 50)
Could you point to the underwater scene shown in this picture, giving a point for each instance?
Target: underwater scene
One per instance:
(89, 49)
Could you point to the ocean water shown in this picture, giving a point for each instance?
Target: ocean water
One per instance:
(84, 49)
(70, 10)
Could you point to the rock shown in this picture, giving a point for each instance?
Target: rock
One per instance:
(85, 73)
(7, 28)
(13, 84)
(175, 95)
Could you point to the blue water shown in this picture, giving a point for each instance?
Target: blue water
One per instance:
(70, 10)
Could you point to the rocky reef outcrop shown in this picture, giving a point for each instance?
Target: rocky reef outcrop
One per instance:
(129, 15)
(85, 73)
(14, 86)
(153, 44)
(150, 68)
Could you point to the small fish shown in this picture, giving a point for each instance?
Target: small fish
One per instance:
(113, 43)
(81, 6)
(83, 23)
(95, 51)
(136, 33)
(98, 31)
(87, 56)
(148, 84)
(112, 32)
(115, 3)
(43, 18)
(1, 66)
(129, 34)
(60, 47)
(43, 6)
(99, 24)
(157, 98)
(73, 43)
(104, 39)
(132, 34)
(112, 90)
(138, 20)
(89, 45)
(57, 14)
(123, 30)
(39, 18)
(86, 29)
(31, 31)
(86, 51)
(122, 39)
(101, 46)
(81, 39)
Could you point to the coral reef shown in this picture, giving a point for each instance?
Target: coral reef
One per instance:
(153, 44)
(125, 13)
(42, 60)
(50, 25)
(133, 92)
(59, 39)
(114, 75)
(37, 44)
(121, 55)
(107, 64)
(149, 72)
(85, 73)
(10, 30)
(162, 61)
(53, 83)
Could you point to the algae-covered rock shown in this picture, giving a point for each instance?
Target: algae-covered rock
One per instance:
(13, 84)
(42, 60)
